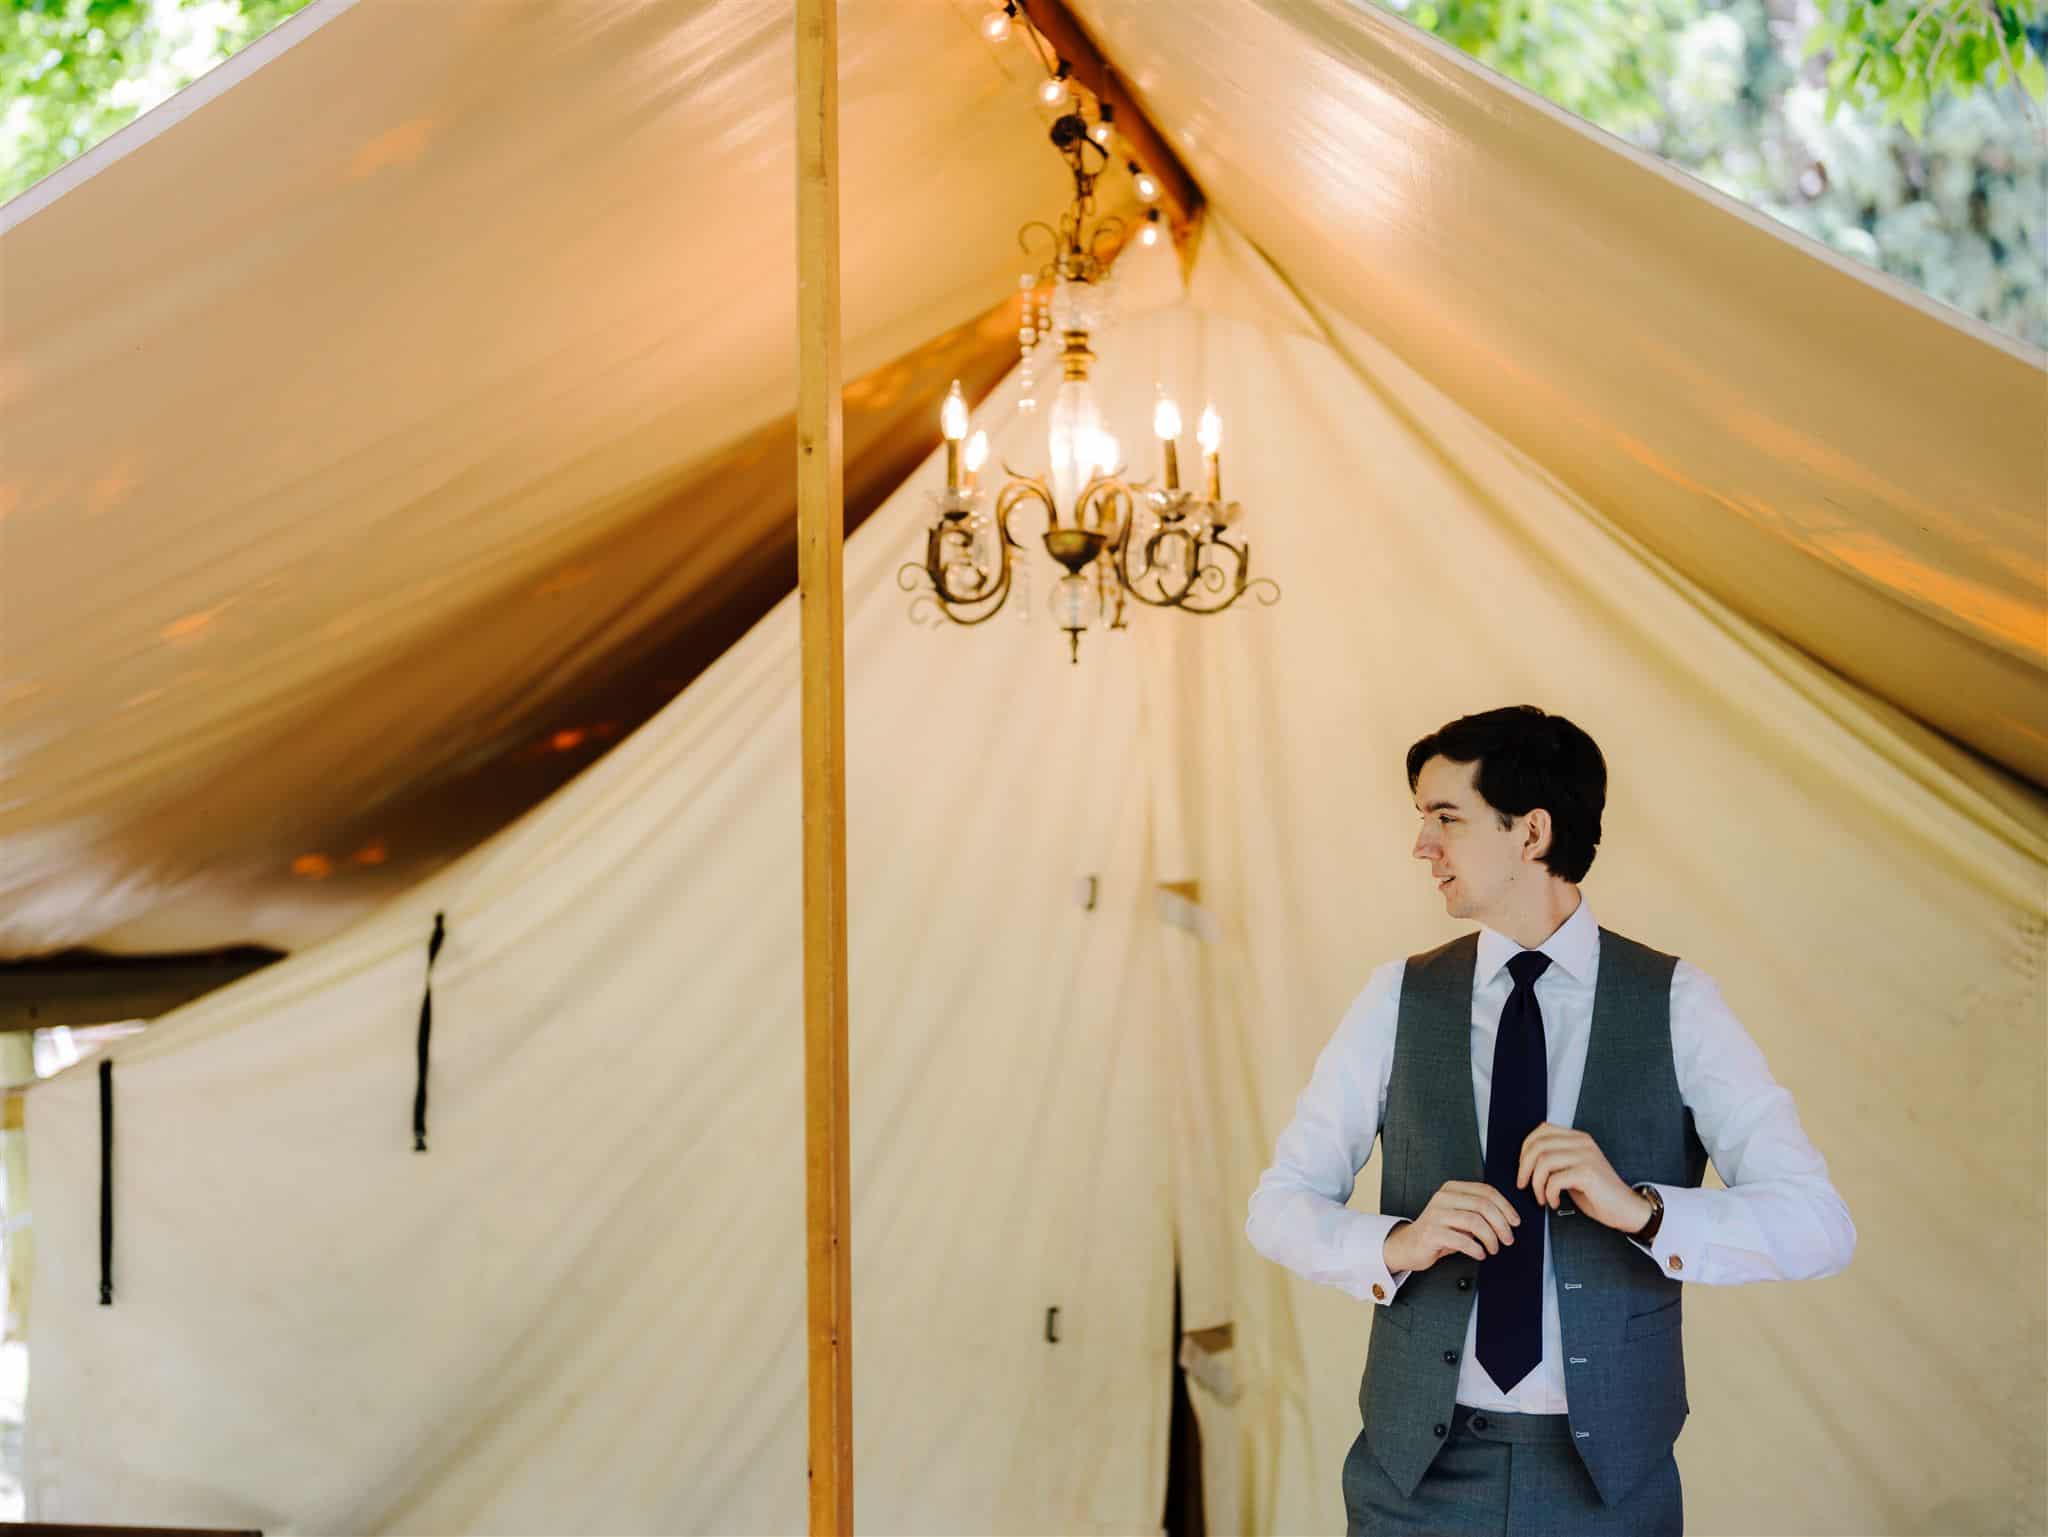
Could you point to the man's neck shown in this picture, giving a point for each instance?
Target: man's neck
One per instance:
(1557, 901)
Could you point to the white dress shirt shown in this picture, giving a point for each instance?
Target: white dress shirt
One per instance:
(1779, 1219)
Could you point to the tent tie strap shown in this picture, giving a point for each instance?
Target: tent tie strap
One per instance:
(106, 1184)
(419, 1097)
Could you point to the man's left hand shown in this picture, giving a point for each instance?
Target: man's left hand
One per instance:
(1556, 1159)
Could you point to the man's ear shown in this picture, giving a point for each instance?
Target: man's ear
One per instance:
(1536, 837)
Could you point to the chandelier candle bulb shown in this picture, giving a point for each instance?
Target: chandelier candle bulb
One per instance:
(1210, 436)
(1166, 423)
(953, 423)
(1118, 541)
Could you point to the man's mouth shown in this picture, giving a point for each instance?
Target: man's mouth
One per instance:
(1445, 881)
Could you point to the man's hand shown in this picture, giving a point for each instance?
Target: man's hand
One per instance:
(1461, 1218)
(1556, 1159)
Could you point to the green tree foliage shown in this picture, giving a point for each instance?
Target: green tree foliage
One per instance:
(1891, 130)
(1903, 56)
(73, 71)
(1847, 122)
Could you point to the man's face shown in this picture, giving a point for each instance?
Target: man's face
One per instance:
(1476, 863)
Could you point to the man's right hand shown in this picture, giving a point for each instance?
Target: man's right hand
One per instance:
(1461, 1218)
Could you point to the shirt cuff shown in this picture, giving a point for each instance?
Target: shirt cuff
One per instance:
(1680, 1248)
(1376, 1283)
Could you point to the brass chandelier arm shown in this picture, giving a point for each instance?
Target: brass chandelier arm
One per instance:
(1022, 490)
(1264, 588)
(1169, 598)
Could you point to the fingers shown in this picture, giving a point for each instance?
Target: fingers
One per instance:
(1486, 1219)
(1491, 1198)
(1469, 1214)
(1467, 1226)
(1545, 1138)
(1463, 1243)
(1554, 1172)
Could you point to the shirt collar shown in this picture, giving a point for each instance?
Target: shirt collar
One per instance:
(1573, 948)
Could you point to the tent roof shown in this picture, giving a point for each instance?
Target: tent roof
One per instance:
(384, 396)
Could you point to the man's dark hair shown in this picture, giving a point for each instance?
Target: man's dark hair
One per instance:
(1528, 759)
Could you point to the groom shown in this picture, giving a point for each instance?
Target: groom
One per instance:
(1546, 1095)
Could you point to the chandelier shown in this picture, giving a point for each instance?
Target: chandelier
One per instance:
(1118, 540)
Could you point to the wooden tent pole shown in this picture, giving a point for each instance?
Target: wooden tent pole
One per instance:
(820, 535)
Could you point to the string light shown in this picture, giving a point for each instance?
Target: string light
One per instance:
(1147, 187)
(995, 26)
(1054, 91)
(1149, 235)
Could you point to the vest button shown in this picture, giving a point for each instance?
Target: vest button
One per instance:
(1465, 1282)
(1440, 1430)
(1450, 1358)
(1478, 1422)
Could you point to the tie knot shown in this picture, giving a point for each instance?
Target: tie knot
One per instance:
(1528, 966)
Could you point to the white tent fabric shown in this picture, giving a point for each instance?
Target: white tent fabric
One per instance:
(361, 409)
(1876, 920)
(369, 400)
(581, 1310)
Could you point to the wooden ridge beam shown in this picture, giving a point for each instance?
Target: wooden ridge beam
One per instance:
(1180, 194)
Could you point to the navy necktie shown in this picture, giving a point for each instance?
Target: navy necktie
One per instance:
(1511, 1282)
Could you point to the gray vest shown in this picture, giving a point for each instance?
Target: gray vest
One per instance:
(1624, 1370)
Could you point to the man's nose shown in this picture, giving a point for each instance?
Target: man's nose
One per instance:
(1423, 847)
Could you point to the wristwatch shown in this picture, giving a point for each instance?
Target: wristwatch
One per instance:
(1647, 1233)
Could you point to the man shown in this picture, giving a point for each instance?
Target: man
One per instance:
(1547, 1094)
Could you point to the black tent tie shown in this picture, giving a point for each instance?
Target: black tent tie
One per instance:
(419, 1097)
(106, 1183)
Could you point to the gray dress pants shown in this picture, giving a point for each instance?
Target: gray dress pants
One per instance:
(1506, 1475)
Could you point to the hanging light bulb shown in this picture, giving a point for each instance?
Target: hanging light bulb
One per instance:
(1149, 235)
(1072, 436)
(1101, 134)
(1210, 435)
(953, 423)
(1147, 187)
(995, 26)
(1054, 90)
(1166, 426)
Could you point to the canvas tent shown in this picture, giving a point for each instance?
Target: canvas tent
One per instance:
(412, 326)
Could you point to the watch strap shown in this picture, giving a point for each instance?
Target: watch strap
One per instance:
(1647, 1233)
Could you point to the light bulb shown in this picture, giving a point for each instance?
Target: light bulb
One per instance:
(1148, 187)
(1166, 419)
(1100, 133)
(1149, 235)
(1072, 436)
(1101, 455)
(977, 452)
(1210, 433)
(995, 26)
(1053, 92)
(953, 415)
